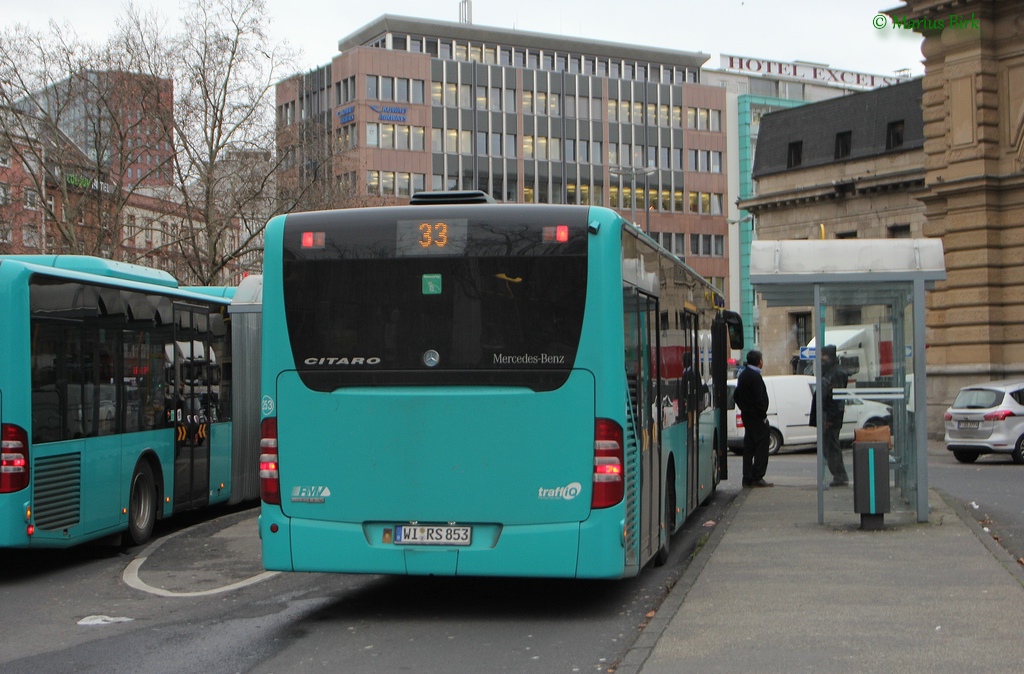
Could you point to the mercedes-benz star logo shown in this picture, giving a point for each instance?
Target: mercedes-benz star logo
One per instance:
(431, 358)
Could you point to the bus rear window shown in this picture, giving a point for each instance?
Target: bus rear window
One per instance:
(392, 298)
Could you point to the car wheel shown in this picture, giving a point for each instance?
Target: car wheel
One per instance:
(774, 441)
(965, 457)
(738, 451)
(1018, 451)
(875, 422)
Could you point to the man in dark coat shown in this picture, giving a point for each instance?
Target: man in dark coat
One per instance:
(751, 397)
(832, 377)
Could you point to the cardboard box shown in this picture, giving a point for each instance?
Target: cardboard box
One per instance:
(876, 434)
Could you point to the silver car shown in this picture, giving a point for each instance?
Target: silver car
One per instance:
(987, 419)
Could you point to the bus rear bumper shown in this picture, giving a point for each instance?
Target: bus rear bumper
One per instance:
(13, 526)
(537, 550)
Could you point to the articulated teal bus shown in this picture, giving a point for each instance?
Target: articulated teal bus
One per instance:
(115, 400)
(483, 389)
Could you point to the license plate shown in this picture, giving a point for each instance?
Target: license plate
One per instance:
(967, 424)
(423, 534)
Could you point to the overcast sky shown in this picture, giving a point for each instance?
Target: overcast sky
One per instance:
(839, 33)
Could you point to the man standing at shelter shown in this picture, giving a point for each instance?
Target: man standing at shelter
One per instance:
(832, 377)
(752, 398)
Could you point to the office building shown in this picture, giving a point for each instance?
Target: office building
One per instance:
(413, 104)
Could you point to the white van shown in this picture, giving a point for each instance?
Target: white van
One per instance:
(789, 409)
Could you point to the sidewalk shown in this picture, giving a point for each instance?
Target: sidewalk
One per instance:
(774, 591)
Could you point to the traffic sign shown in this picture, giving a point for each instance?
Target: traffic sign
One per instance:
(807, 353)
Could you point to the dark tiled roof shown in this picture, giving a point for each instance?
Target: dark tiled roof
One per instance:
(865, 115)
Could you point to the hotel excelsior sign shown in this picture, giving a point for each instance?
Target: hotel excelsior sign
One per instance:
(817, 72)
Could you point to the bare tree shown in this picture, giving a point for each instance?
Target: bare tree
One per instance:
(224, 74)
(77, 152)
(150, 133)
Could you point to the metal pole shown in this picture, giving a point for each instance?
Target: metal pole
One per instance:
(647, 205)
(632, 196)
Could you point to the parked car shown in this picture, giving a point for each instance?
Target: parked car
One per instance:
(987, 419)
(789, 398)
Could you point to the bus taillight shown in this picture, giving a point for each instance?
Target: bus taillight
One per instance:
(608, 464)
(13, 459)
(270, 478)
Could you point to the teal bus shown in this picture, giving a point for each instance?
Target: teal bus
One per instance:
(115, 400)
(463, 388)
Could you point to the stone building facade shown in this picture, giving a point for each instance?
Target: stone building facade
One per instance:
(961, 180)
(849, 167)
(973, 111)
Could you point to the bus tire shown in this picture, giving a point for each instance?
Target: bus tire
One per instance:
(141, 504)
(661, 557)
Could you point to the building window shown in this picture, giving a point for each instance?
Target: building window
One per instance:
(371, 87)
(387, 136)
(704, 119)
(795, 156)
(706, 203)
(894, 135)
(803, 330)
(843, 142)
(898, 231)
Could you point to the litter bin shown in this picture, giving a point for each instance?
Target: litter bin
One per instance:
(871, 482)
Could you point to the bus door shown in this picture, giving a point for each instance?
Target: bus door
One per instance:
(188, 377)
(642, 368)
(694, 388)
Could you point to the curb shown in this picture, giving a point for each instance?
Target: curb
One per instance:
(1000, 553)
(633, 660)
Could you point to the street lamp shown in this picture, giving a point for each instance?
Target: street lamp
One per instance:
(746, 218)
(632, 173)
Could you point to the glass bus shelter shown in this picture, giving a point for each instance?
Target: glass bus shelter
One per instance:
(868, 300)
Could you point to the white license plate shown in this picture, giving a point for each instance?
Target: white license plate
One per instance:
(967, 424)
(424, 534)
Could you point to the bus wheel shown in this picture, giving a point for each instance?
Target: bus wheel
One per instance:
(142, 504)
(670, 519)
